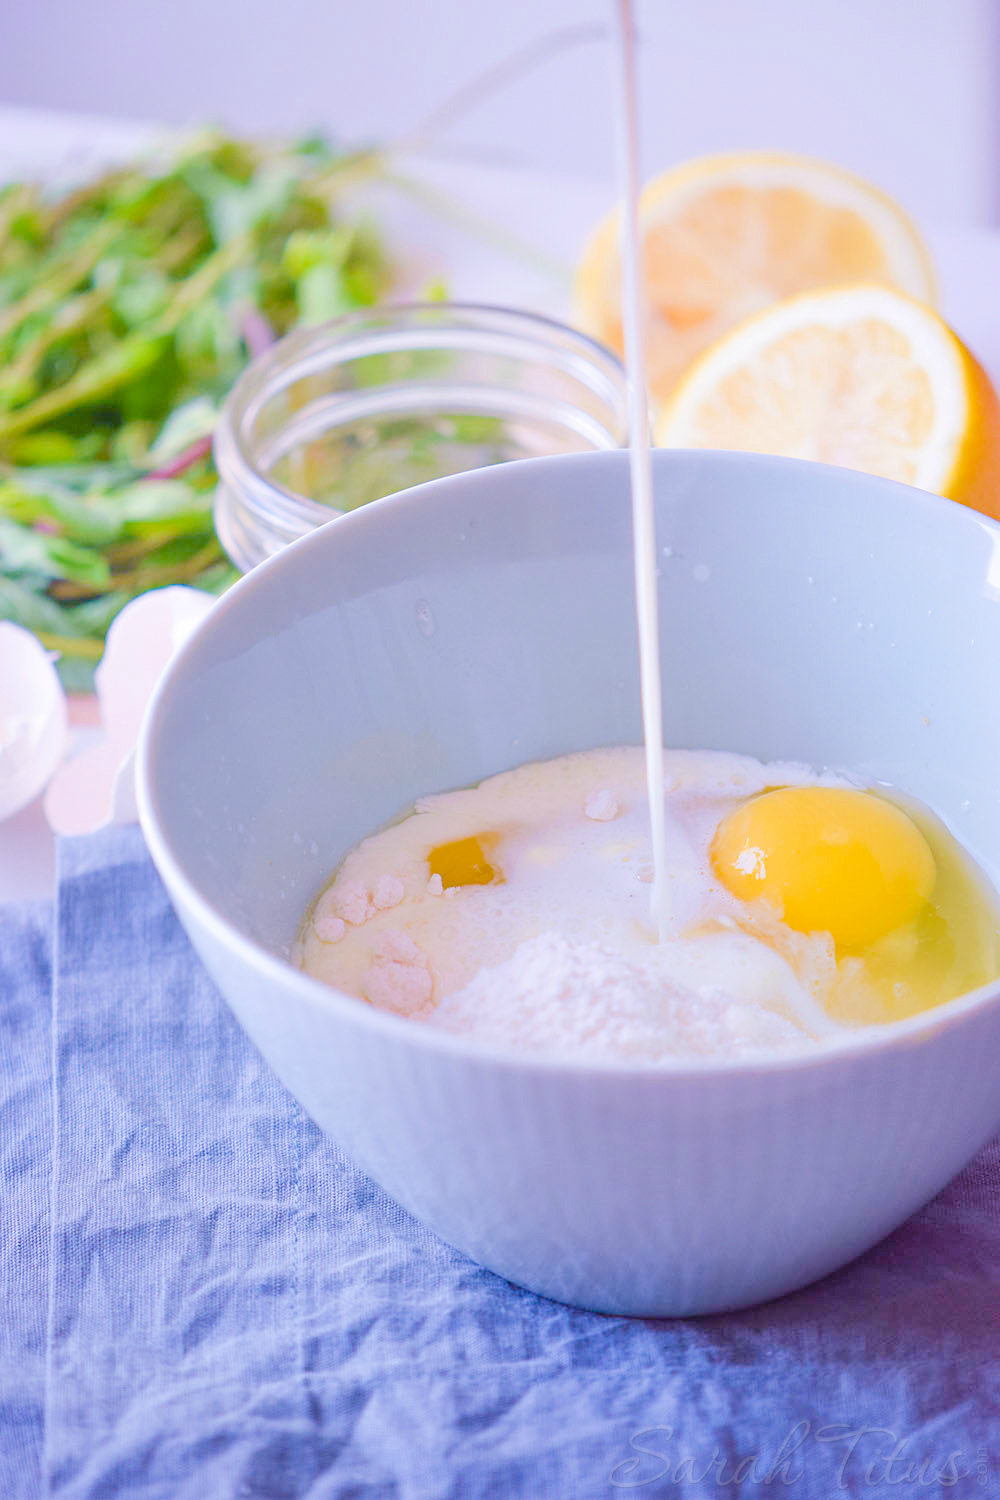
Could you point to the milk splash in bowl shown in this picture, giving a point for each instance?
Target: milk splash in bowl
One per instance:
(517, 912)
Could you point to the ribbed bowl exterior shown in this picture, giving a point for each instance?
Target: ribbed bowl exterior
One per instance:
(633, 1193)
(642, 1191)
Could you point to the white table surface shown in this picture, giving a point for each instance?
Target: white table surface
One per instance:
(496, 235)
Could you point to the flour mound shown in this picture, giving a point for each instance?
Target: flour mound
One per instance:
(565, 997)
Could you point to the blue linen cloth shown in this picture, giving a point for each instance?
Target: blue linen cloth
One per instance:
(202, 1297)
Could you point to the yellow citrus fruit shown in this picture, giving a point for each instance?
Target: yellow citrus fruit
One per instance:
(725, 236)
(857, 376)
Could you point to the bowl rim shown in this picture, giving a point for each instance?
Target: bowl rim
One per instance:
(869, 1042)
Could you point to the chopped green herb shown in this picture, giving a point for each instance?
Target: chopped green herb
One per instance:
(127, 309)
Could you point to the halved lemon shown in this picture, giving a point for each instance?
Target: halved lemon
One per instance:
(725, 236)
(857, 376)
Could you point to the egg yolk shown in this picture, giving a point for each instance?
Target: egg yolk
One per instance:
(461, 862)
(830, 859)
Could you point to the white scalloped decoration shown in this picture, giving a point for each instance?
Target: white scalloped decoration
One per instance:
(94, 787)
(33, 718)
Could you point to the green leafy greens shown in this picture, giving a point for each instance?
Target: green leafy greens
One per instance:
(127, 309)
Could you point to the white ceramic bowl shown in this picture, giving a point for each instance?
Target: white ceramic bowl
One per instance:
(464, 627)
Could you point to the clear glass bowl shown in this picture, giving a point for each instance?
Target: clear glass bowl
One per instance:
(337, 415)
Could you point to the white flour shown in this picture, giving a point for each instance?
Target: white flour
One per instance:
(572, 998)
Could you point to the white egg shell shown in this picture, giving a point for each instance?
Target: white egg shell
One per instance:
(94, 787)
(33, 718)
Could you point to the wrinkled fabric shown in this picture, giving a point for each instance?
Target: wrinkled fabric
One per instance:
(202, 1297)
(25, 1169)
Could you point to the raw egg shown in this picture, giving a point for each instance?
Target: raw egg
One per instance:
(461, 862)
(829, 859)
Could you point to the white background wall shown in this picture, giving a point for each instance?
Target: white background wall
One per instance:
(904, 91)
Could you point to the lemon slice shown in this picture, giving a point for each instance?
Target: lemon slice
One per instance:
(862, 377)
(726, 236)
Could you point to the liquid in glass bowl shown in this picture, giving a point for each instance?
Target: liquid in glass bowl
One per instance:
(341, 414)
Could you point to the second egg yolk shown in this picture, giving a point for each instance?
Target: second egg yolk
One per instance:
(830, 859)
(462, 862)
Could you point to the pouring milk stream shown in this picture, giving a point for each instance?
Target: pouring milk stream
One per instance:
(640, 468)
